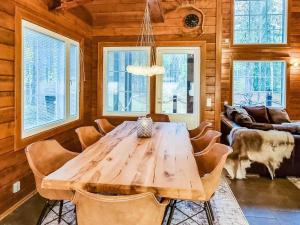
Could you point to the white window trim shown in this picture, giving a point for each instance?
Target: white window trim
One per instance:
(284, 79)
(285, 30)
(68, 117)
(105, 88)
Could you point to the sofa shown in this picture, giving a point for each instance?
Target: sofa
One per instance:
(264, 118)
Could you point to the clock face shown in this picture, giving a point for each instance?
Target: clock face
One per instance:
(191, 20)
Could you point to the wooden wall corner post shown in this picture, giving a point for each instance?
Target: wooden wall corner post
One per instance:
(218, 65)
(40, 20)
(100, 81)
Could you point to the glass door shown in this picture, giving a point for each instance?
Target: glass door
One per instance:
(178, 90)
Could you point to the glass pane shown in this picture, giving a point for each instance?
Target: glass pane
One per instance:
(259, 83)
(44, 79)
(178, 81)
(260, 18)
(126, 92)
(74, 80)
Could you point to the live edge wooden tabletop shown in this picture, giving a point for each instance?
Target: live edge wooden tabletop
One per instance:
(121, 163)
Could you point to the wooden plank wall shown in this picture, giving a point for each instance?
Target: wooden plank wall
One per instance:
(13, 164)
(290, 52)
(169, 30)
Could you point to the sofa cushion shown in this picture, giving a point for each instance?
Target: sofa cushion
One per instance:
(230, 111)
(243, 118)
(278, 115)
(292, 128)
(259, 113)
(261, 126)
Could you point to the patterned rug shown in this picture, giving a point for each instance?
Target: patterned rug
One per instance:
(225, 207)
(295, 181)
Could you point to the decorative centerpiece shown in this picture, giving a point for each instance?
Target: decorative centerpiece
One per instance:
(144, 127)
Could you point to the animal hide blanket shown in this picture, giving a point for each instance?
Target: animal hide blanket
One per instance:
(250, 145)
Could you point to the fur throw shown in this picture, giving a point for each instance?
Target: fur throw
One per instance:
(266, 147)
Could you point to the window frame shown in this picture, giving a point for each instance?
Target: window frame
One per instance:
(39, 19)
(67, 116)
(259, 45)
(104, 80)
(285, 78)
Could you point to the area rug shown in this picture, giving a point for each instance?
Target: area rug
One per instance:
(225, 207)
(295, 181)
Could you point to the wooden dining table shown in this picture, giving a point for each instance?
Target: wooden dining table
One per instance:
(122, 163)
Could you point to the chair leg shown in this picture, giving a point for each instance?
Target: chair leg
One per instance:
(75, 212)
(43, 213)
(173, 205)
(61, 205)
(211, 211)
(208, 213)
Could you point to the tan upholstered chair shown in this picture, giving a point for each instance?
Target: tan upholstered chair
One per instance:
(200, 130)
(45, 157)
(206, 141)
(96, 209)
(104, 126)
(87, 136)
(210, 165)
(158, 117)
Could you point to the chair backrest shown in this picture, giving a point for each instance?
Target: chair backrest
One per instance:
(87, 136)
(45, 157)
(200, 130)
(206, 141)
(158, 117)
(95, 209)
(104, 126)
(210, 166)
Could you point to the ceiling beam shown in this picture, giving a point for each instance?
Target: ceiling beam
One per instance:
(52, 4)
(65, 4)
(157, 14)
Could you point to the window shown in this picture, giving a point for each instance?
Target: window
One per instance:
(125, 93)
(50, 79)
(259, 83)
(260, 21)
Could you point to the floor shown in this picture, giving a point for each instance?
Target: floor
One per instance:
(267, 202)
(264, 202)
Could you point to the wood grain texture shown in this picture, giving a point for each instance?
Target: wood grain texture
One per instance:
(290, 53)
(13, 163)
(119, 21)
(122, 163)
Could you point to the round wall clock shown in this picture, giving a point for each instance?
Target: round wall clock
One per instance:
(191, 20)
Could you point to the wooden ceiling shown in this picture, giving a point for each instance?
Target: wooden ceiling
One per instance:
(108, 12)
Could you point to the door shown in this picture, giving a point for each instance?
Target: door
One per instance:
(178, 90)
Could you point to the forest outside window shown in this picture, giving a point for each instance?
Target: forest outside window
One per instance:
(50, 79)
(259, 83)
(125, 93)
(260, 22)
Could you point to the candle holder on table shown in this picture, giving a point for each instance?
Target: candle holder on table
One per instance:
(144, 127)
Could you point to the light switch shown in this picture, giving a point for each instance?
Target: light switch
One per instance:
(208, 102)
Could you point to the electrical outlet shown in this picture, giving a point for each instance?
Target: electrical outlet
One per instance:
(16, 187)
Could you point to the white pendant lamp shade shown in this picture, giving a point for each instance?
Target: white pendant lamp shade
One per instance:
(146, 38)
(145, 70)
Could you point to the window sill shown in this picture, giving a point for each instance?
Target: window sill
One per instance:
(260, 46)
(21, 143)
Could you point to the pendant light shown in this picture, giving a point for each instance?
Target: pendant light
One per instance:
(146, 39)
